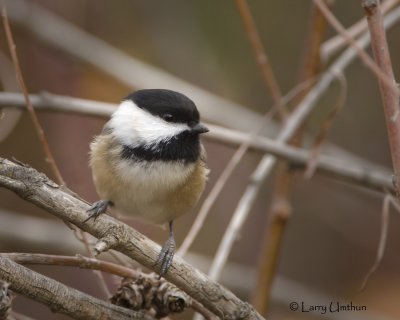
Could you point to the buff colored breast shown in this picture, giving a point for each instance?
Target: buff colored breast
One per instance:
(156, 191)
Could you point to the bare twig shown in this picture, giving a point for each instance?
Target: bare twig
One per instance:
(71, 261)
(331, 46)
(100, 278)
(382, 241)
(42, 137)
(229, 168)
(59, 297)
(8, 117)
(366, 175)
(261, 57)
(389, 96)
(134, 73)
(263, 169)
(325, 128)
(123, 67)
(104, 266)
(32, 113)
(46, 101)
(90, 263)
(280, 208)
(366, 59)
(38, 189)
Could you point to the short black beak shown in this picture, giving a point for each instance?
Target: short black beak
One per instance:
(199, 128)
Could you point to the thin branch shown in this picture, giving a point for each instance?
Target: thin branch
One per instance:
(32, 113)
(8, 117)
(59, 297)
(336, 43)
(39, 190)
(100, 278)
(280, 208)
(71, 261)
(133, 72)
(266, 164)
(90, 263)
(352, 171)
(382, 76)
(42, 137)
(230, 167)
(382, 241)
(261, 57)
(47, 27)
(46, 101)
(325, 128)
(389, 96)
(127, 69)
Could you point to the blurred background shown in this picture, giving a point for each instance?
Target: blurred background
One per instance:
(331, 239)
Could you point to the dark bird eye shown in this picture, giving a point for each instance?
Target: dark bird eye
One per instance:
(168, 117)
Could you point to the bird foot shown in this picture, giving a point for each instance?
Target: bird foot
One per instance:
(97, 209)
(166, 256)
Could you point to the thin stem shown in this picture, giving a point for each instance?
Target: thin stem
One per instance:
(230, 167)
(39, 130)
(261, 56)
(90, 263)
(360, 173)
(382, 76)
(280, 208)
(331, 46)
(266, 164)
(32, 113)
(326, 127)
(71, 261)
(382, 240)
(59, 297)
(389, 96)
(97, 273)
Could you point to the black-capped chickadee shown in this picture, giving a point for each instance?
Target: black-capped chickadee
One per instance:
(148, 161)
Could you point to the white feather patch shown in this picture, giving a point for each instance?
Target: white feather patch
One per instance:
(134, 126)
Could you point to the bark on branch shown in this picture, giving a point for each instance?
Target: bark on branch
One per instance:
(59, 297)
(36, 188)
(389, 96)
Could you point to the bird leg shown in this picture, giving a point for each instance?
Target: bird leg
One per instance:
(166, 255)
(98, 208)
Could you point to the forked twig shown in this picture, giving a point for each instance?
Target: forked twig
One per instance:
(60, 297)
(331, 46)
(359, 173)
(280, 207)
(263, 169)
(368, 61)
(230, 167)
(90, 263)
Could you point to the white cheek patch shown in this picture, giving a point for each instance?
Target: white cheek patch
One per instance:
(134, 126)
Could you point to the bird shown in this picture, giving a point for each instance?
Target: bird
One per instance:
(148, 162)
